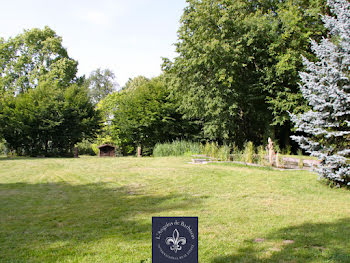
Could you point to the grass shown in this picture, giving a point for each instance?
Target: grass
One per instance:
(100, 210)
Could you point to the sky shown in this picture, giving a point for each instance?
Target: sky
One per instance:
(127, 36)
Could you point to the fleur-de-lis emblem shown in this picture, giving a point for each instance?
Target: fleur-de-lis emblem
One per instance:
(175, 241)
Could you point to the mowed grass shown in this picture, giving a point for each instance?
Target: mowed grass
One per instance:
(100, 210)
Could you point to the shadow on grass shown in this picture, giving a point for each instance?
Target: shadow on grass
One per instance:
(48, 222)
(242, 165)
(323, 242)
(20, 158)
(6, 158)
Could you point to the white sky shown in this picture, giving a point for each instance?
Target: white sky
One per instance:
(126, 36)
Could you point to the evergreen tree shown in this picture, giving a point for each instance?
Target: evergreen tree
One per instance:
(326, 86)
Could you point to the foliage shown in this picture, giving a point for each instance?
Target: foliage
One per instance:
(136, 82)
(188, 148)
(143, 116)
(326, 87)
(294, 24)
(177, 148)
(224, 153)
(211, 149)
(47, 120)
(104, 138)
(3, 148)
(261, 154)
(85, 147)
(44, 110)
(249, 152)
(236, 71)
(32, 57)
(101, 83)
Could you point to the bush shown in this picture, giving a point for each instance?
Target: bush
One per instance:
(86, 148)
(48, 120)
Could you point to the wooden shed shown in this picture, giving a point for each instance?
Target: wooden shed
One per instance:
(106, 150)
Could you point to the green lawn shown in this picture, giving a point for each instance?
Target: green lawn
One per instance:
(100, 210)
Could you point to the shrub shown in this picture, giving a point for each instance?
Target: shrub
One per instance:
(85, 148)
(94, 147)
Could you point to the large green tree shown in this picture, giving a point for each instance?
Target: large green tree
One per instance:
(144, 115)
(134, 83)
(48, 120)
(34, 56)
(44, 108)
(295, 23)
(238, 62)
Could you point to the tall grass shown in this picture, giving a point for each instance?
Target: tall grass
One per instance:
(249, 152)
(261, 155)
(3, 148)
(215, 151)
(211, 149)
(177, 148)
(224, 153)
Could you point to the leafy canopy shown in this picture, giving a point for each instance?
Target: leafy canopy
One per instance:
(33, 56)
(238, 62)
(142, 115)
(101, 83)
(44, 109)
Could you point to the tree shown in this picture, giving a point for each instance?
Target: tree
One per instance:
(326, 87)
(44, 108)
(48, 120)
(101, 83)
(134, 83)
(144, 115)
(213, 76)
(33, 56)
(237, 61)
(294, 23)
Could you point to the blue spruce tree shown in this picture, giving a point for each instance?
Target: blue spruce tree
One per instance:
(326, 86)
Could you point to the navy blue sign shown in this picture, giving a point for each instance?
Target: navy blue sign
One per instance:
(175, 239)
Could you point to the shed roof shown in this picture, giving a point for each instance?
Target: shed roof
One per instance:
(105, 145)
